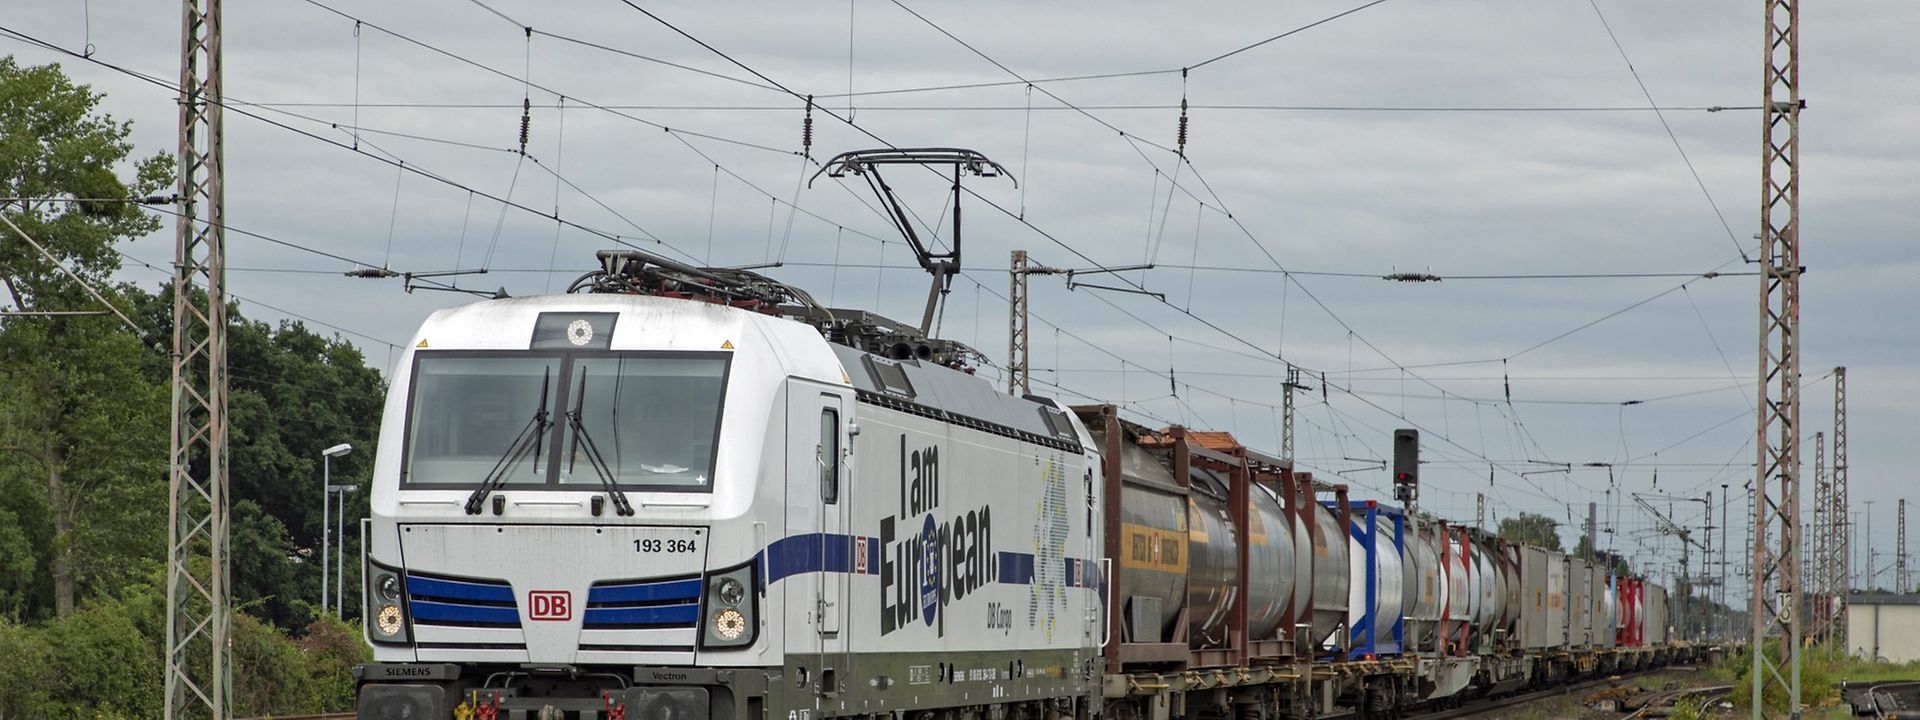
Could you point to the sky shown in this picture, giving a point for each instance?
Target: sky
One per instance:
(1466, 139)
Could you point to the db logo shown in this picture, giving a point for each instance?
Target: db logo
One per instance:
(550, 605)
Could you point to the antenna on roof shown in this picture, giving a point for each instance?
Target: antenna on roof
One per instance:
(942, 265)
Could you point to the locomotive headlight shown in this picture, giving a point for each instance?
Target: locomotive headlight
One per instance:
(729, 592)
(386, 611)
(389, 620)
(729, 624)
(731, 609)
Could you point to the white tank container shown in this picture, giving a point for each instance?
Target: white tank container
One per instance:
(1387, 574)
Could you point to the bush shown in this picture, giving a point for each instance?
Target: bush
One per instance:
(1817, 677)
(95, 663)
(107, 661)
(275, 675)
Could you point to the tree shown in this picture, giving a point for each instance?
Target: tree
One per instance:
(83, 443)
(58, 156)
(291, 393)
(1616, 564)
(1531, 529)
(77, 414)
(84, 431)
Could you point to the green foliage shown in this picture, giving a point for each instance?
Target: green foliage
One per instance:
(292, 393)
(105, 661)
(83, 433)
(54, 144)
(83, 444)
(1819, 671)
(311, 675)
(1616, 564)
(1531, 529)
(97, 662)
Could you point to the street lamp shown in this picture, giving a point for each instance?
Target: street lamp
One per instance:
(340, 558)
(326, 507)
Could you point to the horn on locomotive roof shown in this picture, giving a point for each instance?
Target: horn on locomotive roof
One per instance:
(866, 163)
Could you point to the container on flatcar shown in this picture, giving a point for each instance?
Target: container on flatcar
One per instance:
(1657, 629)
(1213, 575)
(1602, 602)
(1543, 575)
(1489, 587)
(1151, 574)
(1331, 580)
(1630, 611)
(1579, 602)
(1270, 557)
(1607, 628)
(1377, 540)
(1508, 556)
(1425, 592)
(1461, 597)
(1534, 628)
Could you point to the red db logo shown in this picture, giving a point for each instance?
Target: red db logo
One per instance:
(550, 604)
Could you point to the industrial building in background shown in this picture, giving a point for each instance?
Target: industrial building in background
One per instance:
(1884, 626)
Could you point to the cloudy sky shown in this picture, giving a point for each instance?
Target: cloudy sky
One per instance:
(1468, 138)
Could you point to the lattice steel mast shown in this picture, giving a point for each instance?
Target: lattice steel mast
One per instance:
(1820, 575)
(1017, 337)
(1900, 550)
(1777, 594)
(199, 681)
(1841, 539)
(1286, 411)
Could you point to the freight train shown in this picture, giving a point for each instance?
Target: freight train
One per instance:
(680, 493)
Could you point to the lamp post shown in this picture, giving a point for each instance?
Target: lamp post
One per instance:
(326, 507)
(340, 558)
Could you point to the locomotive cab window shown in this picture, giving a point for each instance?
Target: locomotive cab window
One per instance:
(829, 452)
(651, 419)
(469, 411)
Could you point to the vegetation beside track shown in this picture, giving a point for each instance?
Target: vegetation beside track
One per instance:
(84, 413)
(1821, 671)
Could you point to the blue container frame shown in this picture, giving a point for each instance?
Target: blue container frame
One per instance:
(1364, 637)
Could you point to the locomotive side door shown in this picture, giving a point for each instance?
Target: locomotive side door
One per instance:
(817, 481)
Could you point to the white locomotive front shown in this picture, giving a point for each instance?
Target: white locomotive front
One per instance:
(681, 506)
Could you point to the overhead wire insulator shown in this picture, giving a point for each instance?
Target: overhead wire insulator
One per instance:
(526, 101)
(526, 122)
(1506, 381)
(806, 130)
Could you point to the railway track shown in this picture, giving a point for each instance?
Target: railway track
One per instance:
(1662, 704)
(1481, 707)
(1894, 700)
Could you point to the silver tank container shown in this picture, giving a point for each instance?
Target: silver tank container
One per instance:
(1424, 591)
(1270, 554)
(1330, 574)
(1215, 571)
(1152, 568)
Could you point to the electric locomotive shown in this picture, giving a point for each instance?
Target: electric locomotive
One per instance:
(666, 494)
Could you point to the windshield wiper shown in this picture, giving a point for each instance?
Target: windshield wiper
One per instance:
(619, 497)
(528, 442)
